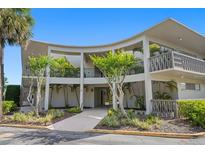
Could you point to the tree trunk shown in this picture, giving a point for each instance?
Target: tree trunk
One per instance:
(121, 103)
(38, 97)
(1, 80)
(121, 99)
(114, 93)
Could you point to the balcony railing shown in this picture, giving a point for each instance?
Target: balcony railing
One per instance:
(88, 72)
(96, 73)
(176, 60)
(92, 73)
(165, 108)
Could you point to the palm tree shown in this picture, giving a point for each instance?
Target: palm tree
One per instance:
(15, 29)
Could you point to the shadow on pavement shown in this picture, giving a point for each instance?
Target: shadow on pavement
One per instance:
(52, 137)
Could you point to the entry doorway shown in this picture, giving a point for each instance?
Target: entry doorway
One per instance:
(103, 96)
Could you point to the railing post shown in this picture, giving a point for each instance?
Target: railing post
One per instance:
(172, 53)
(176, 110)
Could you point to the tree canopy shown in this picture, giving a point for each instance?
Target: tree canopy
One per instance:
(15, 26)
(115, 67)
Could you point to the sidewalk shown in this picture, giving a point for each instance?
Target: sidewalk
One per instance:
(84, 121)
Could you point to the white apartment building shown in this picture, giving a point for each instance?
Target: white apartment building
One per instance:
(180, 58)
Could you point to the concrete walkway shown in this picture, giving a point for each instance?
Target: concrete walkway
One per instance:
(84, 121)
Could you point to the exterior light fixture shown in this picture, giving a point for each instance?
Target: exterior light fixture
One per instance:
(180, 38)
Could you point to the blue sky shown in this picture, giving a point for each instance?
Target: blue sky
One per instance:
(95, 26)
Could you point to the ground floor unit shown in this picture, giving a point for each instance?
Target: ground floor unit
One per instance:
(164, 86)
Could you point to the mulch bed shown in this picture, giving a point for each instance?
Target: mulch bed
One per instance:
(6, 121)
(166, 126)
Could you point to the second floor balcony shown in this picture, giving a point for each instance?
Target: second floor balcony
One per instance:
(88, 72)
(178, 61)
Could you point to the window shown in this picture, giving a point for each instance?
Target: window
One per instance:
(190, 86)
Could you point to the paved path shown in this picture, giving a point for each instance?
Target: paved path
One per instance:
(84, 121)
(31, 136)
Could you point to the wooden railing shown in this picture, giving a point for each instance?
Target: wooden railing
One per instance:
(177, 60)
(165, 108)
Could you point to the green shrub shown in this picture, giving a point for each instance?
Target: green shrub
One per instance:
(194, 110)
(131, 114)
(143, 125)
(115, 118)
(45, 120)
(13, 93)
(110, 121)
(31, 118)
(150, 119)
(134, 122)
(74, 110)
(20, 117)
(8, 106)
(55, 113)
(111, 112)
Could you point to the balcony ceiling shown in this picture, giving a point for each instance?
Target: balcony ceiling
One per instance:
(178, 75)
(178, 34)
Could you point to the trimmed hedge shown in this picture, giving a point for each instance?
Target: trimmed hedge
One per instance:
(194, 110)
(8, 106)
(13, 93)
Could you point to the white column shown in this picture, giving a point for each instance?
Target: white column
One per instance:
(114, 104)
(148, 81)
(46, 100)
(178, 89)
(81, 79)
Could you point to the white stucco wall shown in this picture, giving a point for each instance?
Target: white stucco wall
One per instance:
(59, 101)
(192, 94)
(184, 94)
(136, 88)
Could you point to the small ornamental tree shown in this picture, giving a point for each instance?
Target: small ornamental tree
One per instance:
(114, 67)
(37, 67)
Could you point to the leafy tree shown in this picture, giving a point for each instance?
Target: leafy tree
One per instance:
(38, 66)
(115, 66)
(15, 29)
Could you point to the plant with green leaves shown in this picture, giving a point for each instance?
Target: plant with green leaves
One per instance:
(38, 66)
(62, 67)
(154, 48)
(15, 29)
(115, 66)
(8, 106)
(194, 110)
(74, 110)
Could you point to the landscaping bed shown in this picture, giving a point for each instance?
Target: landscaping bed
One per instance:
(44, 119)
(115, 121)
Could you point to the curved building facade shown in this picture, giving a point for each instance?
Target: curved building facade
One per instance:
(179, 60)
